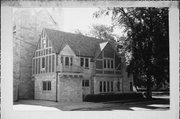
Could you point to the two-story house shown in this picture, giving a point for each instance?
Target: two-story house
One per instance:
(67, 66)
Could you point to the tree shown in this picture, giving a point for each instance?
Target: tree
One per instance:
(101, 32)
(148, 42)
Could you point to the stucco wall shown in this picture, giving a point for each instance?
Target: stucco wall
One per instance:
(45, 95)
(70, 90)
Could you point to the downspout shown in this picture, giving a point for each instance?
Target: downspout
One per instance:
(56, 78)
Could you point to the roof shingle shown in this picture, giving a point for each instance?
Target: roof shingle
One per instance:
(81, 45)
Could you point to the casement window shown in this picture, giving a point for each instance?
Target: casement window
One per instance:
(108, 63)
(108, 86)
(85, 83)
(49, 63)
(84, 62)
(46, 85)
(66, 61)
(100, 86)
(104, 63)
(118, 86)
(43, 63)
(53, 62)
(81, 62)
(104, 86)
(111, 85)
(131, 86)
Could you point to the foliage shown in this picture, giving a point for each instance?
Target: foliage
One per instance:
(147, 40)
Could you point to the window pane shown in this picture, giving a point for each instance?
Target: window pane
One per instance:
(62, 59)
(86, 83)
(46, 51)
(49, 85)
(67, 61)
(83, 83)
(53, 58)
(104, 63)
(36, 67)
(82, 62)
(44, 85)
(111, 85)
(118, 86)
(131, 86)
(49, 50)
(108, 86)
(108, 63)
(112, 65)
(71, 61)
(104, 86)
(100, 86)
(46, 64)
(49, 63)
(43, 62)
(86, 62)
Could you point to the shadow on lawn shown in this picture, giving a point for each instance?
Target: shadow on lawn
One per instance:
(153, 104)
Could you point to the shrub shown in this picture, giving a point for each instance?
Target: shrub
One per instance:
(112, 97)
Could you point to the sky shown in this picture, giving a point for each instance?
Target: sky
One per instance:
(71, 19)
(74, 19)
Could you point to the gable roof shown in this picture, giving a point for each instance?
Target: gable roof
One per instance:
(81, 45)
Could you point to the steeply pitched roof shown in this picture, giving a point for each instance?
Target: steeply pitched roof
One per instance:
(81, 45)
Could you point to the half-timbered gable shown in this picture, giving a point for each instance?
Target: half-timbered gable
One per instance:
(44, 60)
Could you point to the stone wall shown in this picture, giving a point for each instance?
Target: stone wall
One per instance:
(45, 95)
(70, 90)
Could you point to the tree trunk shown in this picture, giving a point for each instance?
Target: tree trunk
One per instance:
(148, 91)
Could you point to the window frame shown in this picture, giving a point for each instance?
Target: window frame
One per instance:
(108, 63)
(46, 86)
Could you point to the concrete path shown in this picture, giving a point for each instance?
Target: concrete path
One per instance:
(39, 105)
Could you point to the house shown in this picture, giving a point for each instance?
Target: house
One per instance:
(67, 66)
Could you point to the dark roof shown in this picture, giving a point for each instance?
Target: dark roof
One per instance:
(81, 45)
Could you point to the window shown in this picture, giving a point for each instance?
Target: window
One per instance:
(100, 86)
(86, 62)
(49, 63)
(108, 63)
(71, 61)
(131, 86)
(46, 64)
(112, 64)
(118, 86)
(85, 83)
(111, 85)
(43, 63)
(46, 85)
(50, 51)
(108, 86)
(66, 61)
(81, 62)
(53, 58)
(62, 59)
(104, 86)
(104, 63)
(33, 67)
